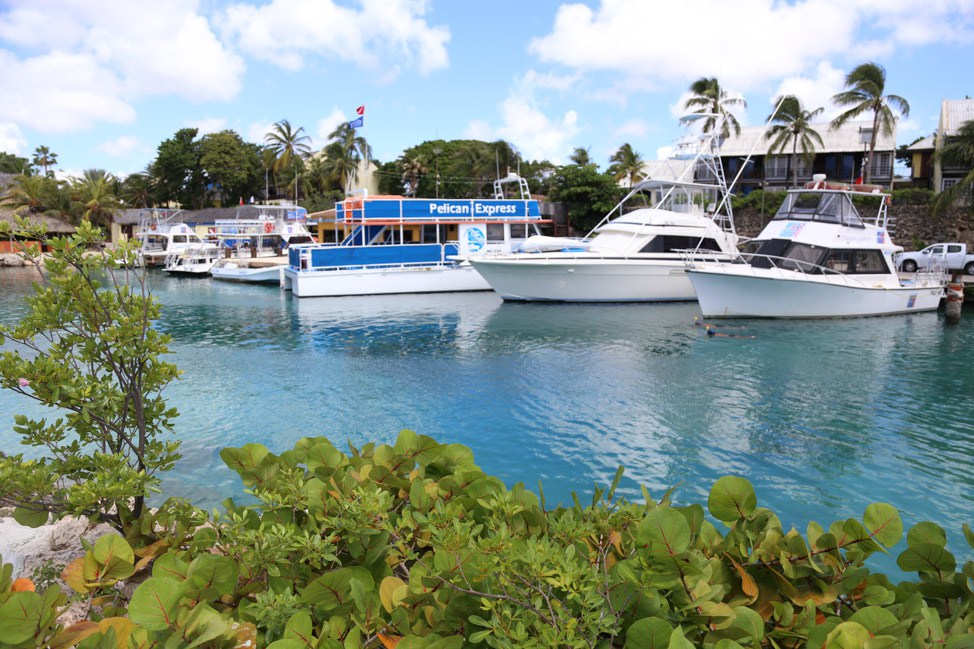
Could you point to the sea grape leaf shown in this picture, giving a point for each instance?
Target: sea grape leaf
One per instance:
(926, 557)
(731, 498)
(968, 534)
(247, 461)
(927, 532)
(154, 602)
(20, 617)
(30, 517)
(387, 591)
(884, 523)
(648, 633)
(210, 577)
(664, 530)
(874, 618)
(114, 556)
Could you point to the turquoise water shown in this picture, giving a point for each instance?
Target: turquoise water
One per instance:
(823, 417)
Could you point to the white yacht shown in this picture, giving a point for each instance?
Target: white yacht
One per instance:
(636, 253)
(817, 258)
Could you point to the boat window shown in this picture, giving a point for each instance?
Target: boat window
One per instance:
(179, 238)
(520, 231)
(802, 256)
(670, 243)
(826, 207)
(495, 232)
(434, 233)
(838, 260)
(766, 249)
(869, 261)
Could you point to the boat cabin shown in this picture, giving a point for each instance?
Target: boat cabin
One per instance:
(793, 240)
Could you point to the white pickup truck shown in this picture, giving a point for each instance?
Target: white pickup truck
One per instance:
(953, 256)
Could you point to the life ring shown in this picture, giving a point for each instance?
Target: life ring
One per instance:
(268, 227)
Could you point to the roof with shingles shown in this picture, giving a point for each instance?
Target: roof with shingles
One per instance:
(844, 139)
(923, 144)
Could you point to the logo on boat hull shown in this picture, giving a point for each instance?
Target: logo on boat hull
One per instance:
(912, 301)
(475, 239)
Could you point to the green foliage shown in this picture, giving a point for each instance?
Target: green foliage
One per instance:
(412, 545)
(765, 202)
(231, 166)
(912, 196)
(13, 164)
(87, 349)
(588, 194)
(178, 171)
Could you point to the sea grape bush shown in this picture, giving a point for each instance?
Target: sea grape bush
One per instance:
(412, 545)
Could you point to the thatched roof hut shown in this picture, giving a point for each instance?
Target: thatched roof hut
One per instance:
(53, 225)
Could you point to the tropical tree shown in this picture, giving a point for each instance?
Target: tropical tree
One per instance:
(791, 125)
(865, 93)
(137, 189)
(32, 194)
(580, 157)
(957, 151)
(44, 158)
(13, 164)
(96, 193)
(346, 150)
(627, 163)
(177, 171)
(709, 98)
(287, 143)
(231, 165)
(587, 193)
(412, 170)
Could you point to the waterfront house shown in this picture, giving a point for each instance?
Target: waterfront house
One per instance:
(840, 158)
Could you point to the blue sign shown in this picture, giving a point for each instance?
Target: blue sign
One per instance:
(475, 239)
(442, 209)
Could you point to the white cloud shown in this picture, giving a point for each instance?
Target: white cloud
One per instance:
(208, 125)
(77, 64)
(643, 41)
(385, 36)
(325, 126)
(536, 135)
(258, 130)
(11, 139)
(814, 91)
(120, 147)
(634, 128)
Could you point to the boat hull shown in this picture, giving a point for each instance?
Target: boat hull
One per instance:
(266, 275)
(579, 280)
(724, 294)
(383, 281)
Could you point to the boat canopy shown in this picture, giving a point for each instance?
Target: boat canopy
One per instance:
(818, 205)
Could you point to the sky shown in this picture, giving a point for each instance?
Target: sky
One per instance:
(102, 82)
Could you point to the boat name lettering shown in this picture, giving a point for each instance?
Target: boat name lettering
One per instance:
(479, 209)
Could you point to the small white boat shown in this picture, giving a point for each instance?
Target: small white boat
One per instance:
(636, 254)
(817, 258)
(255, 244)
(196, 260)
(391, 244)
(160, 236)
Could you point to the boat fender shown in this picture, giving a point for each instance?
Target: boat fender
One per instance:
(268, 227)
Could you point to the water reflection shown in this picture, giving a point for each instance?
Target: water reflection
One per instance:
(823, 416)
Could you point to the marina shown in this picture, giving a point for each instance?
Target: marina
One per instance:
(823, 416)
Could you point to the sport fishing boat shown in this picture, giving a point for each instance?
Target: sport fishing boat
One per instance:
(636, 253)
(254, 244)
(817, 258)
(391, 244)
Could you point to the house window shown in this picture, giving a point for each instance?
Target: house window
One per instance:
(703, 173)
(946, 183)
(776, 167)
(882, 165)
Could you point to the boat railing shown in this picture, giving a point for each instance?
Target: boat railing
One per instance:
(781, 264)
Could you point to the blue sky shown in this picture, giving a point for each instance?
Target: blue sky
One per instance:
(103, 82)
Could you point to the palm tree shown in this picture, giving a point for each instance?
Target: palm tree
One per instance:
(412, 171)
(866, 86)
(791, 124)
(288, 145)
(626, 163)
(44, 158)
(32, 194)
(341, 165)
(580, 157)
(96, 192)
(351, 148)
(137, 189)
(957, 151)
(709, 97)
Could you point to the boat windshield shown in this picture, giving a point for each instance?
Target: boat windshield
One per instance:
(823, 206)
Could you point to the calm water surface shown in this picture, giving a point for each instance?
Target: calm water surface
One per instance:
(823, 417)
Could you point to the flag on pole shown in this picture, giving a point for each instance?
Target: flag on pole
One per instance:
(358, 122)
(360, 110)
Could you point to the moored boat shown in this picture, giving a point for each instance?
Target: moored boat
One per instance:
(636, 253)
(254, 245)
(194, 261)
(817, 258)
(161, 236)
(392, 244)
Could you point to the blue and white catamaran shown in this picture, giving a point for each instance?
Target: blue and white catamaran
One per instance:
(391, 244)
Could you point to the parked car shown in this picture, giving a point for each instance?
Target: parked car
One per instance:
(953, 256)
